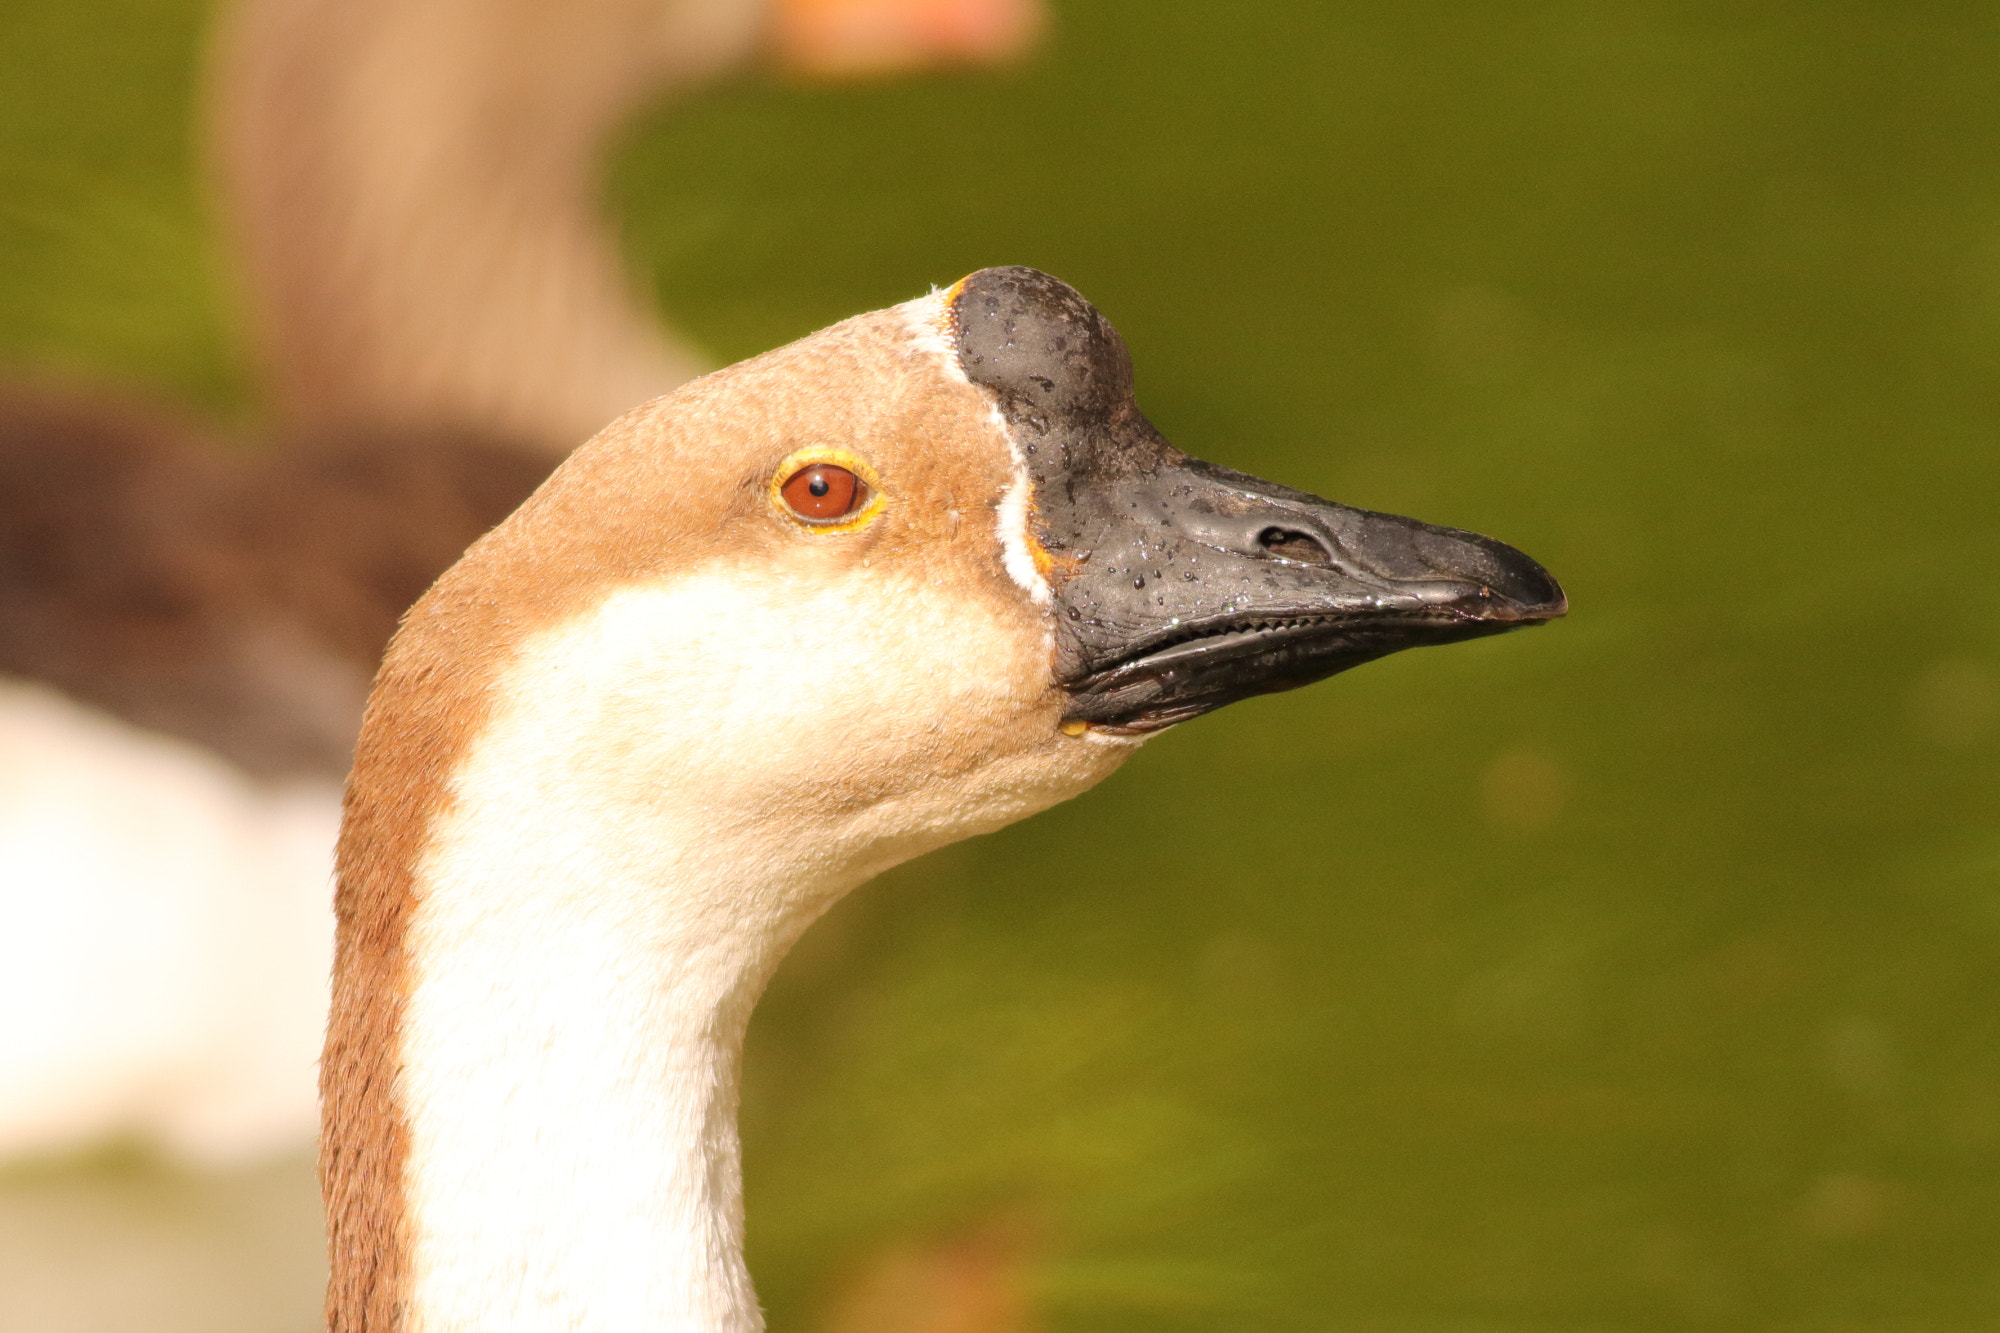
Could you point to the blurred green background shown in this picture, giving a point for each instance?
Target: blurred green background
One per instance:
(1638, 973)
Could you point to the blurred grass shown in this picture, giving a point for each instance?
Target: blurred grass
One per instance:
(108, 262)
(1638, 973)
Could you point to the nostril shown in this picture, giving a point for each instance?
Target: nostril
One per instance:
(1291, 544)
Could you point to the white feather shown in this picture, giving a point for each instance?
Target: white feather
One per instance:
(671, 789)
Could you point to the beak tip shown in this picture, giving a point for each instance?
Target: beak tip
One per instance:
(1514, 588)
(1500, 583)
(1545, 602)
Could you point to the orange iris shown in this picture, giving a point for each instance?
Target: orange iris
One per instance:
(823, 491)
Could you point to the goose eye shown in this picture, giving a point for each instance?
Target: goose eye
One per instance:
(823, 491)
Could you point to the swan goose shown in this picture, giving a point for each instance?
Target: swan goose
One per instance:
(907, 580)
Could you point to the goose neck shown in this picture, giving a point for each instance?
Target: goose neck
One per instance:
(571, 1046)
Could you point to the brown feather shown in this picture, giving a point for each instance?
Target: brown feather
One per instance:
(236, 599)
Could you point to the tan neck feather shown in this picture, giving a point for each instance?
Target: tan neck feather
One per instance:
(430, 700)
(421, 721)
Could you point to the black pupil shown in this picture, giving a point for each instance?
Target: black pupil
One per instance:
(819, 485)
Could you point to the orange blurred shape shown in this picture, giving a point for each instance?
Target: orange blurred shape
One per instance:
(975, 1282)
(848, 38)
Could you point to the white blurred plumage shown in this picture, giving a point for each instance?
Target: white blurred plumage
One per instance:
(167, 938)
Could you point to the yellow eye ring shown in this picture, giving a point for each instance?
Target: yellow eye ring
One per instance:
(804, 475)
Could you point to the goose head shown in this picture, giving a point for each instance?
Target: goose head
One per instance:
(907, 580)
(936, 556)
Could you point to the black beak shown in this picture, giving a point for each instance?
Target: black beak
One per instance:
(1180, 586)
(1211, 585)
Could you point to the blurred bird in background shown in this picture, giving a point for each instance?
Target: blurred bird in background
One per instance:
(187, 630)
